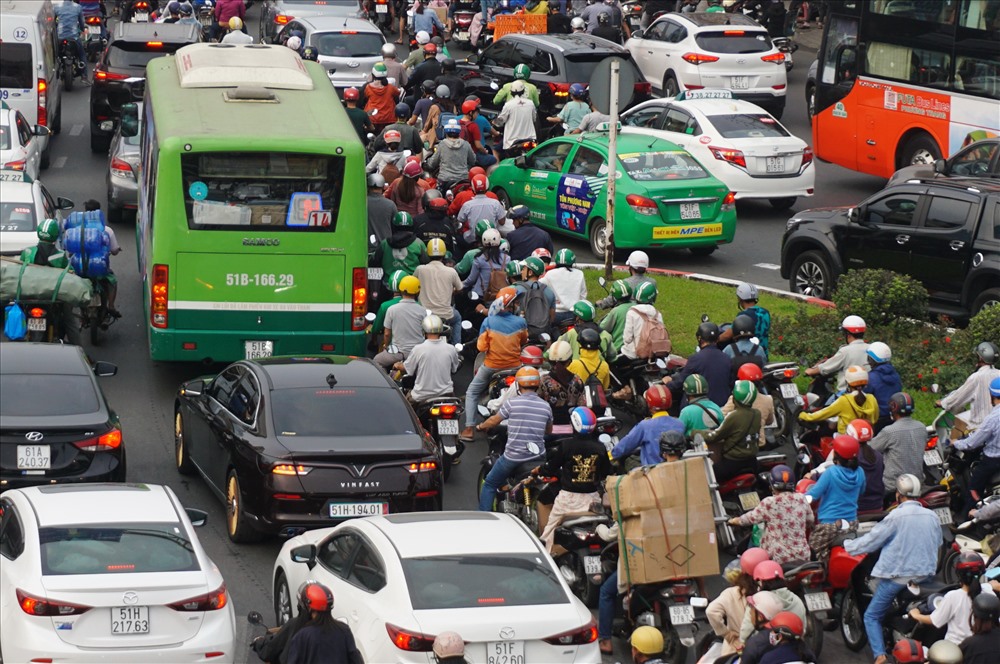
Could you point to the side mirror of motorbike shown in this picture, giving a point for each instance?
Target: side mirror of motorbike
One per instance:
(704, 318)
(104, 369)
(198, 517)
(660, 364)
(65, 203)
(459, 347)
(254, 618)
(545, 337)
(603, 282)
(370, 136)
(372, 239)
(370, 317)
(494, 86)
(483, 410)
(605, 440)
(966, 524)
(407, 153)
(304, 554)
(466, 325)
(40, 130)
(473, 297)
(392, 348)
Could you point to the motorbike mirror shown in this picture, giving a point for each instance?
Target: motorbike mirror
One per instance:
(483, 410)
(370, 136)
(603, 282)
(755, 340)
(392, 348)
(494, 86)
(466, 325)
(704, 318)
(372, 238)
(407, 153)
(370, 317)
(545, 337)
(605, 440)
(374, 112)
(935, 388)
(473, 296)
(660, 364)
(699, 602)
(254, 618)
(809, 499)
(459, 347)
(699, 440)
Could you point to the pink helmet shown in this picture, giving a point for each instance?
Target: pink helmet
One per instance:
(751, 558)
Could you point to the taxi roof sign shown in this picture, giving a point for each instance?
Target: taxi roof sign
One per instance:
(718, 93)
(10, 175)
(606, 127)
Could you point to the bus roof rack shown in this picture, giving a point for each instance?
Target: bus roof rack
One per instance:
(241, 65)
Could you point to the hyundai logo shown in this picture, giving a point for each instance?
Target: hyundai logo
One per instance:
(34, 436)
(353, 64)
(130, 598)
(506, 632)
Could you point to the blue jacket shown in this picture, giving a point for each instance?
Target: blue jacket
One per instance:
(883, 382)
(717, 369)
(908, 537)
(646, 436)
(838, 491)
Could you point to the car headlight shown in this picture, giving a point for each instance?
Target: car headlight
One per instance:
(792, 223)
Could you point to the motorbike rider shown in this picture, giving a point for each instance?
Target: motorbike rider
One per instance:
(236, 35)
(955, 608)
(529, 421)
(428, 70)
(700, 413)
(517, 118)
(568, 284)
(110, 280)
(764, 402)
(647, 645)
(786, 515)
(645, 435)
(390, 160)
(403, 324)
(526, 237)
(381, 211)
(848, 406)
(605, 30)
(45, 252)
(770, 577)
(838, 490)
(637, 264)
(746, 301)
(416, 55)
(432, 362)
(487, 276)
(381, 98)
(986, 436)
(450, 77)
(438, 285)
(396, 69)
(557, 22)
(466, 194)
(533, 269)
(983, 645)
(737, 438)
(726, 612)
(410, 138)
(273, 646)
(521, 73)
(574, 110)
(173, 13)
(434, 222)
(974, 392)
(378, 325)
(901, 443)
(591, 363)
(322, 638)
(853, 353)
(426, 19)
(473, 133)
(584, 313)
(637, 317)
(187, 15)
(710, 362)
(360, 120)
(871, 463)
(784, 640)
(402, 250)
(744, 347)
(480, 206)
(883, 381)
(453, 156)
(908, 538)
(578, 25)
(614, 321)
(464, 266)
(70, 23)
(449, 648)
(762, 607)
(225, 10)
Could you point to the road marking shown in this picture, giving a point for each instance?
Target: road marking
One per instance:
(767, 266)
(76, 130)
(60, 162)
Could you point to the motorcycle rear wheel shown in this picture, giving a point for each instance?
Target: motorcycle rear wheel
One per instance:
(67, 75)
(852, 627)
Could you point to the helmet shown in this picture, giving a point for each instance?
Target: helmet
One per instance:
(432, 324)
(402, 110)
(402, 220)
(861, 430)
(430, 48)
(235, 23)
(436, 248)
(590, 339)
(986, 606)
(560, 351)
(908, 485)
(637, 259)
(376, 181)
(432, 195)
(603, 17)
(186, 9)
(749, 371)
(518, 87)
(658, 397)
(519, 212)
(751, 558)
(969, 566)
(388, 50)
(782, 478)
(527, 377)
(482, 226)
(476, 170)
(621, 290)
(768, 570)
(531, 356)
(846, 447)
(578, 90)
(452, 127)
(746, 292)
(392, 136)
(647, 640)
(944, 652)
(174, 7)
(578, 23)
(469, 106)
(480, 184)
(508, 296)
(48, 230)
(767, 603)
(673, 442)
(448, 64)
(646, 293)
(908, 651)
(442, 91)
(491, 238)
(565, 258)
(744, 392)
(394, 280)
(995, 388)
(695, 385)
(409, 285)
(708, 331)
(744, 327)
(522, 72)
(856, 376)
(585, 311)
(583, 419)
(879, 353)
(987, 352)
(448, 644)
(428, 86)
(542, 253)
(900, 403)
(853, 324)
(423, 37)
(412, 169)
(314, 596)
(310, 53)
(379, 70)
(351, 94)
(535, 265)
(787, 624)
(513, 269)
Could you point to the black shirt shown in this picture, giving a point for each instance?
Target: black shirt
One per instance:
(558, 24)
(428, 70)
(332, 644)
(431, 225)
(981, 648)
(454, 84)
(526, 239)
(581, 463)
(608, 32)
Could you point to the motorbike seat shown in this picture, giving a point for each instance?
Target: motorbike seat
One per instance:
(744, 481)
(585, 520)
(795, 567)
(935, 587)
(524, 469)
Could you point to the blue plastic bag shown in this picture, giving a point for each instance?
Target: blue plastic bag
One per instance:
(15, 324)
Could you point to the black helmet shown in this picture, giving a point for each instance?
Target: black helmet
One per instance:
(900, 403)
(673, 442)
(708, 332)
(969, 567)
(743, 327)
(428, 86)
(782, 478)
(603, 18)
(590, 339)
(430, 195)
(402, 111)
(986, 607)
(448, 64)
(310, 53)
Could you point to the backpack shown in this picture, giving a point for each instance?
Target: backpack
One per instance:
(535, 309)
(390, 172)
(498, 280)
(593, 390)
(443, 118)
(653, 339)
(740, 358)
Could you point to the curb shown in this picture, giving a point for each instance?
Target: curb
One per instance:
(722, 281)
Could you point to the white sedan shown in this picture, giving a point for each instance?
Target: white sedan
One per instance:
(19, 151)
(23, 205)
(399, 580)
(738, 142)
(104, 572)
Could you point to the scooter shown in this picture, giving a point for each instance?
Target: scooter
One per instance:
(70, 64)
(94, 41)
(139, 11)
(581, 565)
(377, 11)
(440, 417)
(787, 47)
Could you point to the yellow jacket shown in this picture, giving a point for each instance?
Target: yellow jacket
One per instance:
(846, 410)
(591, 362)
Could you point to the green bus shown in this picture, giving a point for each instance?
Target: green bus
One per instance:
(252, 222)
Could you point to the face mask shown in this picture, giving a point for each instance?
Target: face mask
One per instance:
(774, 638)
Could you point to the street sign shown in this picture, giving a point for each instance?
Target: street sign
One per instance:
(600, 84)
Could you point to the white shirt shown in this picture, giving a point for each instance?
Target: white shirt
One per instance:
(569, 286)
(976, 391)
(518, 121)
(237, 37)
(954, 611)
(633, 326)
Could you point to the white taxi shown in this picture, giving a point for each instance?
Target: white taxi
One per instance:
(738, 142)
(23, 204)
(19, 151)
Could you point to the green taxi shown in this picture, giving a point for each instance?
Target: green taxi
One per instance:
(664, 198)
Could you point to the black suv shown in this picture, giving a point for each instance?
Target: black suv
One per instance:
(556, 62)
(132, 46)
(944, 233)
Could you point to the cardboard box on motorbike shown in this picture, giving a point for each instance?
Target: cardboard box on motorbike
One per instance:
(667, 522)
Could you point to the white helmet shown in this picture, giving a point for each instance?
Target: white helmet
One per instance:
(432, 324)
(560, 351)
(491, 238)
(879, 352)
(294, 43)
(908, 485)
(423, 37)
(578, 23)
(388, 50)
(853, 324)
(746, 292)
(638, 259)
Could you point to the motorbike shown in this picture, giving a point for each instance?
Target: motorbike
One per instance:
(70, 65)
(98, 317)
(632, 12)
(669, 606)
(440, 417)
(378, 12)
(637, 375)
(779, 383)
(581, 565)
(519, 148)
(787, 47)
(94, 41)
(46, 321)
(971, 535)
(461, 31)
(205, 11)
(806, 579)
(139, 11)
(376, 289)
(742, 493)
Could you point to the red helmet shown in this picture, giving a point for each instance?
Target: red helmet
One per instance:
(787, 624)
(804, 485)
(480, 184)
(860, 429)
(351, 94)
(658, 397)
(751, 558)
(477, 170)
(430, 48)
(469, 106)
(749, 371)
(542, 253)
(438, 202)
(531, 356)
(908, 651)
(969, 566)
(846, 447)
(412, 170)
(315, 596)
(768, 570)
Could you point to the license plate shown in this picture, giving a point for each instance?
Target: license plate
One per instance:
(207, 21)
(740, 82)
(130, 620)
(866, 526)
(749, 500)
(690, 211)
(681, 614)
(448, 427)
(36, 325)
(93, 31)
(591, 565)
(505, 652)
(789, 390)
(256, 349)
(932, 458)
(351, 510)
(34, 457)
(818, 602)
(943, 515)
(141, 16)
(775, 165)
(381, 9)
(374, 273)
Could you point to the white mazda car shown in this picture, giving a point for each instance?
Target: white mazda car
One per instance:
(399, 580)
(108, 573)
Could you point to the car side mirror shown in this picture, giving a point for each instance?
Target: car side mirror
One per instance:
(520, 161)
(104, 369)
(130, 120)
(637, 34)
(854, 215)
(65, 203)
(941, 166)
(198, 517)
(304, 554)
(40, 130)
(194, 388)
(473, 59)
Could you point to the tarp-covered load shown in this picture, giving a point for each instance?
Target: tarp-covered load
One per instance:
(41, 283)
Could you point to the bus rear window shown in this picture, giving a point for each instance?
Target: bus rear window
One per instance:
(15, 66)
(234, 190)
(733, 41)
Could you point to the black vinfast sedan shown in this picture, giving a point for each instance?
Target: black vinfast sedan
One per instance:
(55, 424)
(291, 443)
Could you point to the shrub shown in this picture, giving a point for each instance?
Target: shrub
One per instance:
(880, 296)
(984, 326)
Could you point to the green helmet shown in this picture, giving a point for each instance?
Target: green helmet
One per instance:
(513, 269)
(522, 72)
(482, 226)
(646, 293)
(380, 70)
(695, 385)
(744, 392)
(48, 230)
(585, 311)
(565, 258)
(402, 220)
(394, 280)
(535, 265)
(621, 291)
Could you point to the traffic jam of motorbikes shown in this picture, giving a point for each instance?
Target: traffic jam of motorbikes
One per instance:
(534, 410)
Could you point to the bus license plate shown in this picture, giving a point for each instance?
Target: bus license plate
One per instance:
(351, 510)
(741, 82)
(932, 458)
(448, 427)
(690, 211)
(505, 652)
(34, 457)
(818, 602)
(789, 390)
(36, 325)
(775, 165)
(381, 9)
(681, 614)
(591, 565)
(943, 515)
(257, 349)
(749, 500)
(130, 620)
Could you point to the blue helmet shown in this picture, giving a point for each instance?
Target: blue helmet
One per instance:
(578, 90)
(995, 388)
(583, 419)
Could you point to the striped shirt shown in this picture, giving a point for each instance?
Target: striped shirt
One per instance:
(528, 416)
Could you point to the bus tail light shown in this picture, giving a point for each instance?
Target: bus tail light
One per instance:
(43, 114)
(734, 157)
(699, 58)
(729, 202)
(160, 296)
(359, 301)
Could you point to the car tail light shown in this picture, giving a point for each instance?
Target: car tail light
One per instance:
(699, 58)
(290, 469)
(36, 312)
(14, 165)
(102, 75)
(154, 44)
(359, 306)
(575, 637)
(111, 440)
(728, 154)
(729, 202)
(807, 156)
(43, 114)
(404, 639)
(778, 87)
(39, 606)
(121, 168)
(559, 89)
(160, 299)
(447, 411)
(643, 88)
(283, 19)
(422, 466)
(776, 58)
(642, 205)
(212, 601)
(734, 33)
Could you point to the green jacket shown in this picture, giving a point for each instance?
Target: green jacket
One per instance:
(739, 435)
(614, 323)
(464, 266)
(695, 418)
(378, 326)
(414, 254)
(504, 95)
(607, 344)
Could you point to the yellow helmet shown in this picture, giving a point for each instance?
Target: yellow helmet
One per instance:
(436, 248)
(236, 23)
(647, 640)
(409, 285)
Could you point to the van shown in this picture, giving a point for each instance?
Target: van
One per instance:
(29, 79)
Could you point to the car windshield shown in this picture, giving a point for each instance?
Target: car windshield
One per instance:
(340, 412)
(747, 125)
(468, 581)
(136, 55)
(46, 395)
(116, 549)
(348, 44)
(733, 41)
(661, 166)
